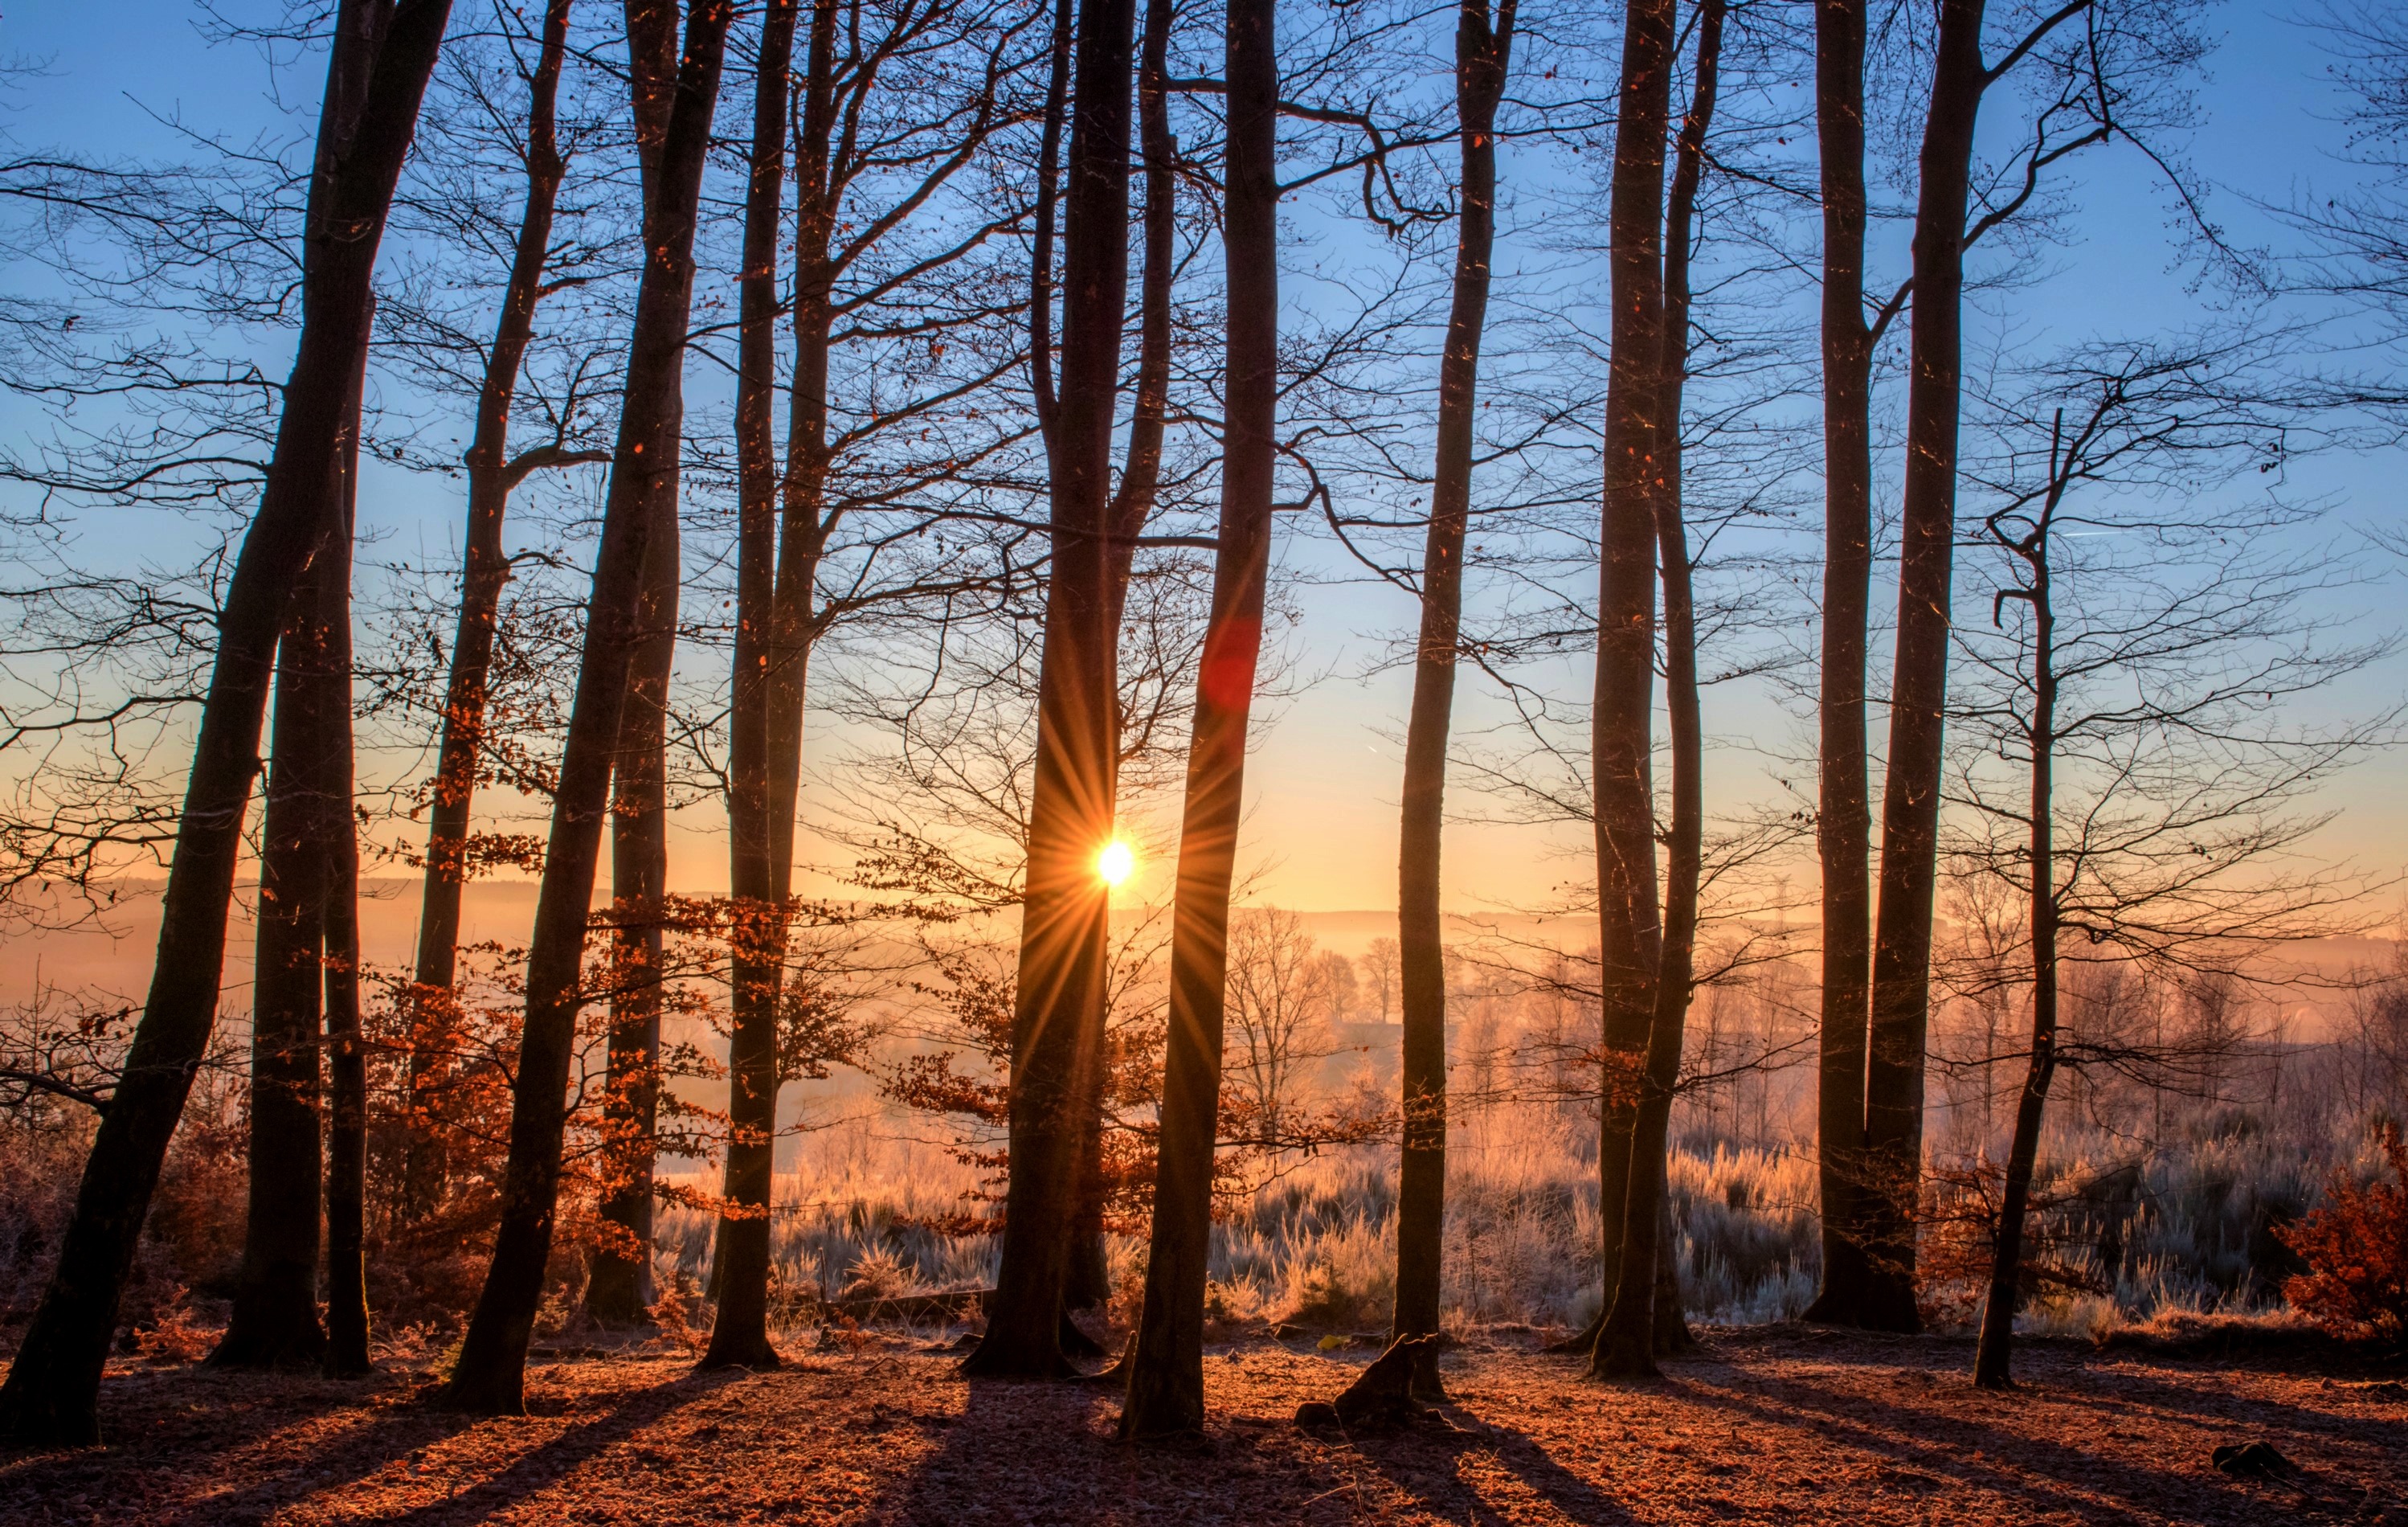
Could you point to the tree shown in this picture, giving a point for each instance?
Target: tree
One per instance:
(492, 472)
(619, 1291)
(1384, 969)
(2097, 66)
(1482, 49)
(1619, 720)
(1058, 993)
(1844, 812)
(2141, 630)
(492, 1354)
(739, 1332)
(1635, 1326)
(53, 1386)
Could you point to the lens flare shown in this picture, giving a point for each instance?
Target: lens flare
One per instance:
(1116, 863)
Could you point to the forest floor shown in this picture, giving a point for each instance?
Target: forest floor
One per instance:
(1779, 1424)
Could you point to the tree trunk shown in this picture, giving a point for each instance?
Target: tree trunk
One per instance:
(1090, 1277)
(1993, 1359)
(492, 1355)
(433, 1004)
(52, 1392)
(1844, 820)
(275, 1318)
(1049, 205)
(804, 523)
(739, 1334)
(1057, 1018)
(1632, 1334)
(347, 1077)
(1625, 670)
(1900, 1008)
(1482, 50)
(1166, 1393)
(619, 1287)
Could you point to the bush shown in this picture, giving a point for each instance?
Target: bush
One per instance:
(2357, 1250)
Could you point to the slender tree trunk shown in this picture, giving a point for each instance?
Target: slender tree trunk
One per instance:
(1901, 1009)
(347, 1077)
(804, 520)
(619, 1288)
(1057, 1018)
(492, 1355)
(1844, 820)
(1635, 1327)
(1993, 1359)
(433, 1004)
(1090, 1276)
(1483, 50)
(52, 1391)
(1049, 203)
(740, 1336)
(1626, 671)
(1166, 1393)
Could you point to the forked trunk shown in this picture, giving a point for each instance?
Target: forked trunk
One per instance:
(1090, 1276)
(619, 1288)
(52, 1391)
(1639, 1322)
(1058, 1017)
(1629, 934)
(433, 1004)
(492, 1355)
(739, 1334)
(1166, 1386)
(1482, 49)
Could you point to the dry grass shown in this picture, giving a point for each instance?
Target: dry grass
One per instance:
(1773, 1425)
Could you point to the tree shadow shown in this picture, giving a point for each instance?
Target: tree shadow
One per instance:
(1401, 1460)
(2068, 1477)
(547, 1462)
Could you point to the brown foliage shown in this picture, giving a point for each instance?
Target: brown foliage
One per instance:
(2357, 1250)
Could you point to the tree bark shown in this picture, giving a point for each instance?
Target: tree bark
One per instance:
(1057, 1020)
(804, 523)
(1620, 719)
(1090, 1277)
(739, 1334)
(433, 1004)
(1900, 1006)
(1166, 1393)
(1993, 1359)
(1635, 1324)
(1482, 50)
(1844, 820)
(1049, 207)
(492, 1354)
(347, 1131)
(619, 1289)
(53, 1387)
(275, 1318)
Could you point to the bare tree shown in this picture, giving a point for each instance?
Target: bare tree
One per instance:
(1483, 47)
(2142, 634)
(490, 1373)
(53, 1385)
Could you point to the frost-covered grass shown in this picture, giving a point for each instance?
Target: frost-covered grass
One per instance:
(2186, 1230)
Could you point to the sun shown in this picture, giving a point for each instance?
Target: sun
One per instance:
(1116, 863)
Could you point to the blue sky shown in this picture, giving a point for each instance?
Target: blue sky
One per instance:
(1325, 779)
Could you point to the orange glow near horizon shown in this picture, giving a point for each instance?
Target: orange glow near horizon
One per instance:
(1116, 863)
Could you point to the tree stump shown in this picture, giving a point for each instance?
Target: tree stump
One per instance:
(1382, 1399)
